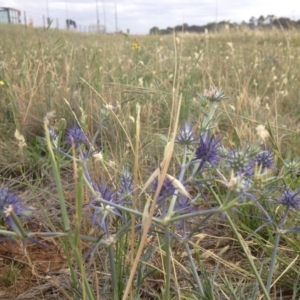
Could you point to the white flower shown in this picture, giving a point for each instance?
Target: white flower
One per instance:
(141, 82)
(110, 106)
(235, 183)
(20, 138)
(262, 132)
(49, 116)
(98, 156)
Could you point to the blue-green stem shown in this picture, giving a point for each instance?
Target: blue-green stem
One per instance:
(62, 202)
(120, 207)
(112, 263)
(196, 214)
(87, 292)
(9, 233)
(50, 235)
(78, 204)
(180, 178)
(169, 215)
(168, 263)
(59, 234)
(193, 266)
(207, 120)
(65, 219)
(241, 242)
(275, 249)
(86, 289)
(17, 226)
(167, 229)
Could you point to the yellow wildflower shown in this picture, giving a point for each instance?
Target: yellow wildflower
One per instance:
(2, 82)
(135, 46)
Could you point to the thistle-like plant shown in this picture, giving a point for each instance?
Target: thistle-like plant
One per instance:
(227, 179)
(10, 208)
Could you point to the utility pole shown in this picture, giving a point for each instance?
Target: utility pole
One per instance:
(67, 15)
(25, 20)
(217, 6)
(48, 18)
(104, 15)
(116, 17)
(97, 11)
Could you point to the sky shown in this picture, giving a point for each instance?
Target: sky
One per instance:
(141, 15)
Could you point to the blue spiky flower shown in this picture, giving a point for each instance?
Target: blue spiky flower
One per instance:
(290, 199)
(264, 160)
(76, 136)
(103, 212)
(207, 152)
(184, 205)
(167, 188)
(10, 203)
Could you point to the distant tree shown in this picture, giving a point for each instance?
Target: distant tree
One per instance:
(269, 19)
(285, 23)
(185, 26)
(211, 26)
(169, 30)
(252, 22)
(261, 20)
(265, 22)
(154, 30)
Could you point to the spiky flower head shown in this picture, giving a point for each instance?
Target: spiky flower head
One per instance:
(214, 95)
(186, 135)
(10, 203)
(183, 205)
(53, 133)
(53, 136)
(240, 161)
(290, 199)
(207, 151)
(167, 188)
(76, 136)
(264, 160)
(223, 151)
(125, 192)
(293, 167)
(238, 184)
(103, 212)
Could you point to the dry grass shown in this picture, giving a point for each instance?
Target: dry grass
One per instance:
(79, 75)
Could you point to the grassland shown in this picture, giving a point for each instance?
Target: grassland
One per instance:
(135, 87)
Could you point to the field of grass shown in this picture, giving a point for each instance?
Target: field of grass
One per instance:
(149, 167)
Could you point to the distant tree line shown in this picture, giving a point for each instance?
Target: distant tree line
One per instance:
(267, 22)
